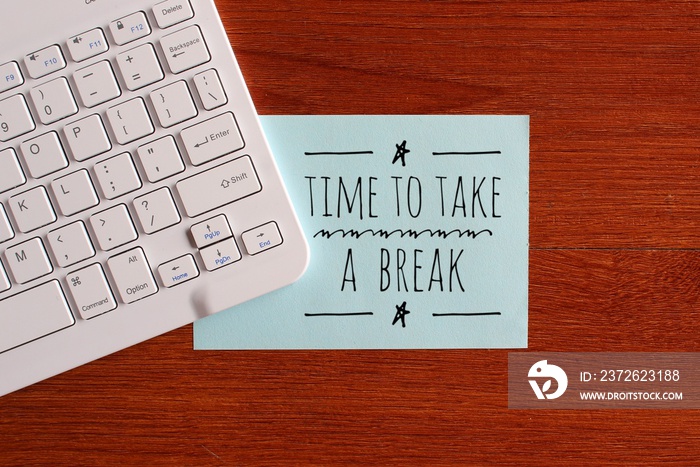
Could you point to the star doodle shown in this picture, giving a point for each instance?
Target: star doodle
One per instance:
(401, 313)
(401, 152)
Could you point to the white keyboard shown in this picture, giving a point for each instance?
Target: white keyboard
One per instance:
(137, 191)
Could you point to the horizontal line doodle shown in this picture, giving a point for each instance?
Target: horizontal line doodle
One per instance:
(487, 313)
(359, 313)
(348, 153)
(401, 233)
(477, 153)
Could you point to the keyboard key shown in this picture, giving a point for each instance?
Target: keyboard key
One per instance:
(220, 254)
(32, 209)
(156, 210)
(87, 45)
(11, 175)
(117, 176)
(212, 138)
(54, 101)
(44, 61)
(28, 261)
(87, 138)
(97, 84)
(21, 321)
(74, 192)
(219, 186)
(10, 76)
(70, 244)
(173, 104)
(113, 227)
(5, 283)
(44, 154)
(132, 275)
(178, 271)
(139, 67)
(130, 121)
(172, 12)
(161, 159)
(6, 232)
(185, 49)
(15, 119)
(90, 291)
(211, 231)
(129, 28)
(261, 238)
(211, 91)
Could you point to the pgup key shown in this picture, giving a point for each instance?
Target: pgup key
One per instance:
(211, 231)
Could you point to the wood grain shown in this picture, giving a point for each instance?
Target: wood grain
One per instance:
(612, 90)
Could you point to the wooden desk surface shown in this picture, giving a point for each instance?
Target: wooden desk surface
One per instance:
(613, 92)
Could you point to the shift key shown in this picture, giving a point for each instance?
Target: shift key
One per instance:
(212, 138)
(218, 186)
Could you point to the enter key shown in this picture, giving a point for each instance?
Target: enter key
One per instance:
(212, 138)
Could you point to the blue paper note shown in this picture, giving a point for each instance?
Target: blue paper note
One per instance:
(418, 229)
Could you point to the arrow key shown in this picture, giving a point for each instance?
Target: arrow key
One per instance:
(70, 244)
(178, 271)
(261, 238)
(211, 231)
(220, 254)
